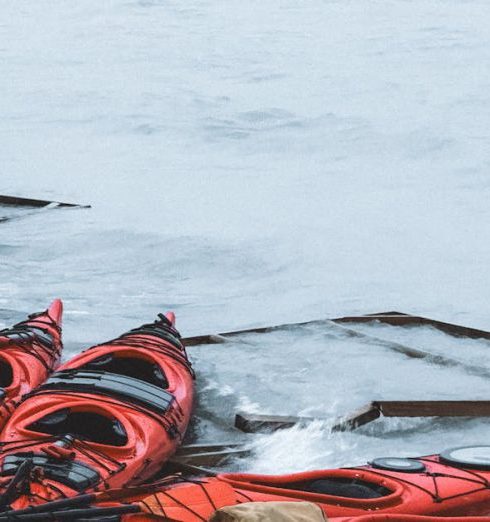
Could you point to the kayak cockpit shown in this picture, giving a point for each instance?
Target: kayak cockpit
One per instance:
(340, 487)
(347, 487)
(6, 374)
(85, 425)
(135, 367)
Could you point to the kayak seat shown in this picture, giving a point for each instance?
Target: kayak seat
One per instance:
(6, 374)
(85, 425)
(121, 387)
(71, 473)
(343, 487)
(137, 368)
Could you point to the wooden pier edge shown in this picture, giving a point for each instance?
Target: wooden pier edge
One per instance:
(402, 319)
(403, 349)
(253, 423)
(391, 318)
(369, 413)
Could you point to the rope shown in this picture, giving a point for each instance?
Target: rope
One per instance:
(435, 494)
(25, 330)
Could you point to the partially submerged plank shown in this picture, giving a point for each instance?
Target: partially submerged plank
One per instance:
(37, 203)
(192, 449)
(453, 408)
(173, 466)
(360, 417)
(392, 318)
(401, 319)
(211, 458)
(206, 455)
(252, 423)
(227, 336)
(434, 408)
(415, 353)
(369, 413)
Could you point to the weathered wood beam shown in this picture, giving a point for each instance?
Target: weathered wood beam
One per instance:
(403, 349)
(252, 423)
(401, 319)
(37, 203)
(415, 353)
(375, 409)
(369, 413)
(392, 318)
(173, 466)
(434, 408)
(225, 337)
(358, 418)
(193, 449)
(211, 458)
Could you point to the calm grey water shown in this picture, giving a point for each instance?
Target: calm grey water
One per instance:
(252, 164)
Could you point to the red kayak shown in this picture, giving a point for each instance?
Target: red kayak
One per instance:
(110, 417)
(29, 352)
(455, 483)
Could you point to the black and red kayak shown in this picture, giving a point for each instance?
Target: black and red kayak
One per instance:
(29, 352)
(110, 417)
(455, 483)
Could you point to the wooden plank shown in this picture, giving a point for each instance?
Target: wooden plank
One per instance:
(360, 417)
(211, 458)
(37, 203)
(384, 313)
(369, 413)
(226, 336)
(204, 339)
(173, 466)
(252, 423)
(414, 353)
(192, 449)
(434, 408)
(399, 319)
(393, 318)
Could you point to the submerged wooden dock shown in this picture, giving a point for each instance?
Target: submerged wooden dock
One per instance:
(204, 457)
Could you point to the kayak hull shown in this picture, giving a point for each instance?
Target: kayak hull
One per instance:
(108, 418)
(438, 489)
(29, 352)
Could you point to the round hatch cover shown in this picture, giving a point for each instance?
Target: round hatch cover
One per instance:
(477, 457)
(398, 464)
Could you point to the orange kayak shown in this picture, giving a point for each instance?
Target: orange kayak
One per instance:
(454, 483)
(453, 486)
(29, 352)
(108, 418)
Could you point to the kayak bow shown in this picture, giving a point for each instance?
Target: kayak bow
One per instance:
(29, 352)
(110, 417)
